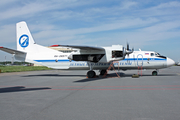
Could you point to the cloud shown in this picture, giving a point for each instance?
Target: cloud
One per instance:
(26, 10)
(169, 9)
(168, 5)
(122, 24)
(7, 2)
(162, 27)
(33, 7)
(128, 5)
(7, 34)
(94, 13)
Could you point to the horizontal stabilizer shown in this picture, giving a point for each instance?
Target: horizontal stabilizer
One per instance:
(11, 51)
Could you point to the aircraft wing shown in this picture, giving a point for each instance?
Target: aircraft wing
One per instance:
(11, 51)
(79, 47)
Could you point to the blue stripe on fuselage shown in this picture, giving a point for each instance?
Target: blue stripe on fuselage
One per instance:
(126, 59)
(144, 59)
(51, 60)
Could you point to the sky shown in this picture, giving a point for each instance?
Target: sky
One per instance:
(151, 25)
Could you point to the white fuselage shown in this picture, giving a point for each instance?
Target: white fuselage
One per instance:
(59, 60)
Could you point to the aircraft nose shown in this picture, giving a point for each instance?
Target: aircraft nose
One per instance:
(170, 62)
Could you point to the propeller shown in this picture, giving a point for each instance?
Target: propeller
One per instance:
(128, 51)
(127, 46)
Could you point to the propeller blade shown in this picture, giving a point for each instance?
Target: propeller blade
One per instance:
(127, 46)
(128, 51)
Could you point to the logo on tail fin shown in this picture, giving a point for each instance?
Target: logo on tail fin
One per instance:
(24, 41)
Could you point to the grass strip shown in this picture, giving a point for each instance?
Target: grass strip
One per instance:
(5, 69)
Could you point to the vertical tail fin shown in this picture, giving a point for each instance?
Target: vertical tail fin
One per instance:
(25, 41)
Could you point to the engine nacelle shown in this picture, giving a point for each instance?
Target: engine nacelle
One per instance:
(114, 53)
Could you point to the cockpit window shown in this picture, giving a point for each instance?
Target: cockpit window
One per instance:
(157, 54)
(152, 54)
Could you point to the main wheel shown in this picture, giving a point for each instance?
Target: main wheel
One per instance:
(154, 73)
(103, 72)
(91, 74)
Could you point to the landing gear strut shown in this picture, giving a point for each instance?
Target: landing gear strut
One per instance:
(91, 73)
(154, 73)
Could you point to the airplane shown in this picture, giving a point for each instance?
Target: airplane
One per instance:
(84, 57)
(178, 63)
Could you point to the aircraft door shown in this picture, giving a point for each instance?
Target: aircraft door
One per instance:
(140, 60)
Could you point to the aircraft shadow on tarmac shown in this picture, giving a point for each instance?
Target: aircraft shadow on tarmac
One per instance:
(122, 75)
(110, 75)
(54, 75)
(20, 89)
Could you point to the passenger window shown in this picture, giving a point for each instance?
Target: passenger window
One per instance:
(152, 54)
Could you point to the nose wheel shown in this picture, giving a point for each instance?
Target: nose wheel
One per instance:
(91, 74)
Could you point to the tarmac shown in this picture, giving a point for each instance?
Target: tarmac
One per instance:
(69, 95)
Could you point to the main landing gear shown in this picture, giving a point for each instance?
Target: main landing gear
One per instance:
(91, 74)
(102, 72)
(154, 73)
